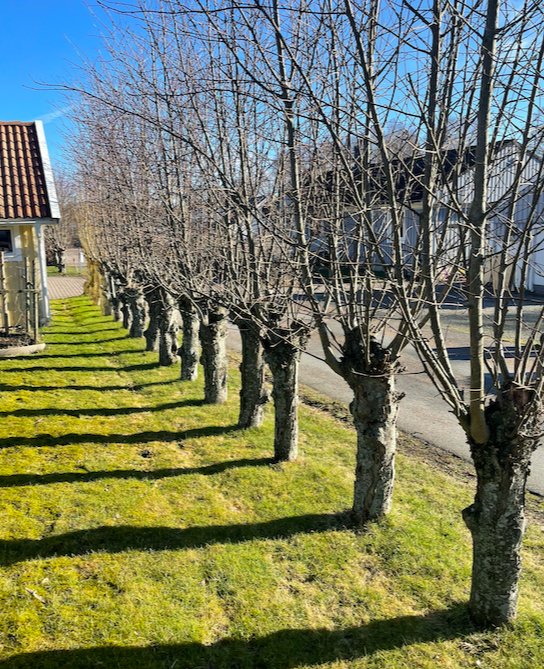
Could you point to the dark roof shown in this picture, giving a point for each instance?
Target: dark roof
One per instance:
(23, 189)
(409, 171)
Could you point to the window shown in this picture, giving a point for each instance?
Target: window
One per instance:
(5, 241)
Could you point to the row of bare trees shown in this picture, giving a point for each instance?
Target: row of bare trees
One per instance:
(350, 168)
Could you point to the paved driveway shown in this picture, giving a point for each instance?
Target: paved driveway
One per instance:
(61, 287)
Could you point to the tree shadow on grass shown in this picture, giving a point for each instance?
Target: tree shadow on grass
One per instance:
(19, 480)
(48, 440)
(104, 411)
(90, 368)
(123, 335)
(118, 539)
(101, 354)
(283, 649)
(8, 388)
(82, 331)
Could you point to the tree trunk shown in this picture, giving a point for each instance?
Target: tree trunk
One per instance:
(126, 311)
(116, 305)
(154, 308)
(253, 394)
(106, 301)
(168, 333)
(136, 304)
(374, 409)
(283, 360)
(213, 337)
(188, 351)
(117, 309)
(60, 260)
(496, 519)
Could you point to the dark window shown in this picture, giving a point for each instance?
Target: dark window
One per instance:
(5, 241)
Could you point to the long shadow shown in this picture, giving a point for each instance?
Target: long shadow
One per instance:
(49, 368)
(122, 538)
(82, 354)
(73, 342)
(105, 411)
(43, 440)
(284, 649)
(5, 387)
(20, 480)
(82, 331)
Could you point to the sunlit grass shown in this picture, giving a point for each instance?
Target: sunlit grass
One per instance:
(140, 528)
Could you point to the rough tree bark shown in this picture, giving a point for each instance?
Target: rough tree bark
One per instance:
(154, 307)
(370, 371)
(374, 409)
(168, 333)
(106, 301)
(188, 351)
(126, 311)
(283, 359)
(253, 393)
(136, 304)
(496, 518)
(213, 338)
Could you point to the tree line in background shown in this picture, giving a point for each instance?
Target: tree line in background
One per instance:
(346, 168)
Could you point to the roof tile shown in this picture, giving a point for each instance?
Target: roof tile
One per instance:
(23, 192)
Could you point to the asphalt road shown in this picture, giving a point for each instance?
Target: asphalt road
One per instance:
(423, 413)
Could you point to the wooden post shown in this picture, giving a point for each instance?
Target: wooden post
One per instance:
(35, 303)
(3, 295)
(27, 295)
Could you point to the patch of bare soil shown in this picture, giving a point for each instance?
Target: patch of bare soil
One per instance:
(7, 341)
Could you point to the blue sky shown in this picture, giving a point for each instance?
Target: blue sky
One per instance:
(42, 41)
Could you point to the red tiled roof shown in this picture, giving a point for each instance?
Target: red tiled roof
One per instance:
(23, 192)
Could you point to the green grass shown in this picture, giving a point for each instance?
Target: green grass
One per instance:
(139, 528)
(69, 271)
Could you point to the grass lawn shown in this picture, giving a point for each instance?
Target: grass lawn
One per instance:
(139, 528)
(70, 270)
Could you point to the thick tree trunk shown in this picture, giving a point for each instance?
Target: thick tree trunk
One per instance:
(253, 393)
(154, 309)
(117, 308)
(374, 409)
(126, 311)
(188, 351)
(496, 519)
(136, 303)
(115, 299)
(283, 360)
(168, 337)
(106, 301)
(213, 338)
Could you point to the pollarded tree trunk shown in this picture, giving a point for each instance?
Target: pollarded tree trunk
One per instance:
(374, 409)
(253, 393)
(126, 311)
(117, 308)
(136, 303)
(496, 519)
(168, 333)
(106, 301)
(283, 359)
(213, 338)
(370, 372)
(188, 351)
(154, 308)
(115, 299)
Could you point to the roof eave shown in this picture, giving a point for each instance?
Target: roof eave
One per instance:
(49, 220)
(48, 172)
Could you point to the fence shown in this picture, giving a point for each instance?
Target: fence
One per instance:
(19, 297)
